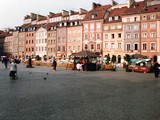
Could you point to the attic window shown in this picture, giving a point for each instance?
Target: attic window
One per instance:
(94, 16)
(135, 6)
(116, 18)
(110, 18)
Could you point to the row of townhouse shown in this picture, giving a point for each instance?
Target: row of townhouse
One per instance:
(117, 29)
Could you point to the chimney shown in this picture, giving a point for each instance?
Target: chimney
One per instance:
(94, 5)
(130, 2)
(82, 11)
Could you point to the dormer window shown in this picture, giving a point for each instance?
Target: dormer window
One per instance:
(76, 23)
(60, 24)
(110, 18)
(135, 6)
(144, 17)
(71, 24)
(94, 16)
(116, 18)
(65, 24)
(152, 17)
(55, 27)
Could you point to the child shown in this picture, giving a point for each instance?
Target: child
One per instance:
(13, 70)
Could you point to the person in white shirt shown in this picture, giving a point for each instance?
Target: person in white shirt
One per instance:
(13, 70)
(79, 66)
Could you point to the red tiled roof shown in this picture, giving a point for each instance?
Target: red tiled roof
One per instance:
(49, 25)
(153, 8)
(99, 12)
(9, 34)
(4, 34)
(25, 25)
(39, 25)
(116, 12)
(31, 26)
(135, 8)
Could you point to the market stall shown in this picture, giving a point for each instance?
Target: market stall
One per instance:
(87, 58)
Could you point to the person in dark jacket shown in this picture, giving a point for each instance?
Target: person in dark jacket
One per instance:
(54, 65)
(156, 69)
(30, 62)
(5, 61)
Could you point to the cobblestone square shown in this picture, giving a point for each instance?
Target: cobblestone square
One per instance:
(43, 94)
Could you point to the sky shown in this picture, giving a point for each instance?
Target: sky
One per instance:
(12, 12)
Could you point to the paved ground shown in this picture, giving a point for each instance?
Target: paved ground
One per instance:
(73, 95)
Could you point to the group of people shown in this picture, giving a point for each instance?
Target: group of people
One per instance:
(79, 66)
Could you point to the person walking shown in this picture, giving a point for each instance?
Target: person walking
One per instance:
(156, 66)
(5, 61)
(156, 69)
(30, 62)
(13, 70)
(54, 65)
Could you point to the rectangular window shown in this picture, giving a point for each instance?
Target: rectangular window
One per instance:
(144, 46)
(98, 46)
(153, 46)
(63, 49)
(92, 36)
(106, 46)
(136, 36)
(106, 36)
(74, 47)
(144, 26)
(128, 27)
(135, 18)
(128, 47)
(153, 25)
(119, 46)
(135, 46)
(86, 47)
(128, 36)
(153, 35)
(92, 46)
(112, 36)
(136, 27)
(98, 36)
(86, 37)
(152, 17)
(112, 45)
(144, 18)
(112, 27)
(128, 19)
(59, 48)
(119, 35)
(144, 35)
(78, 47)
